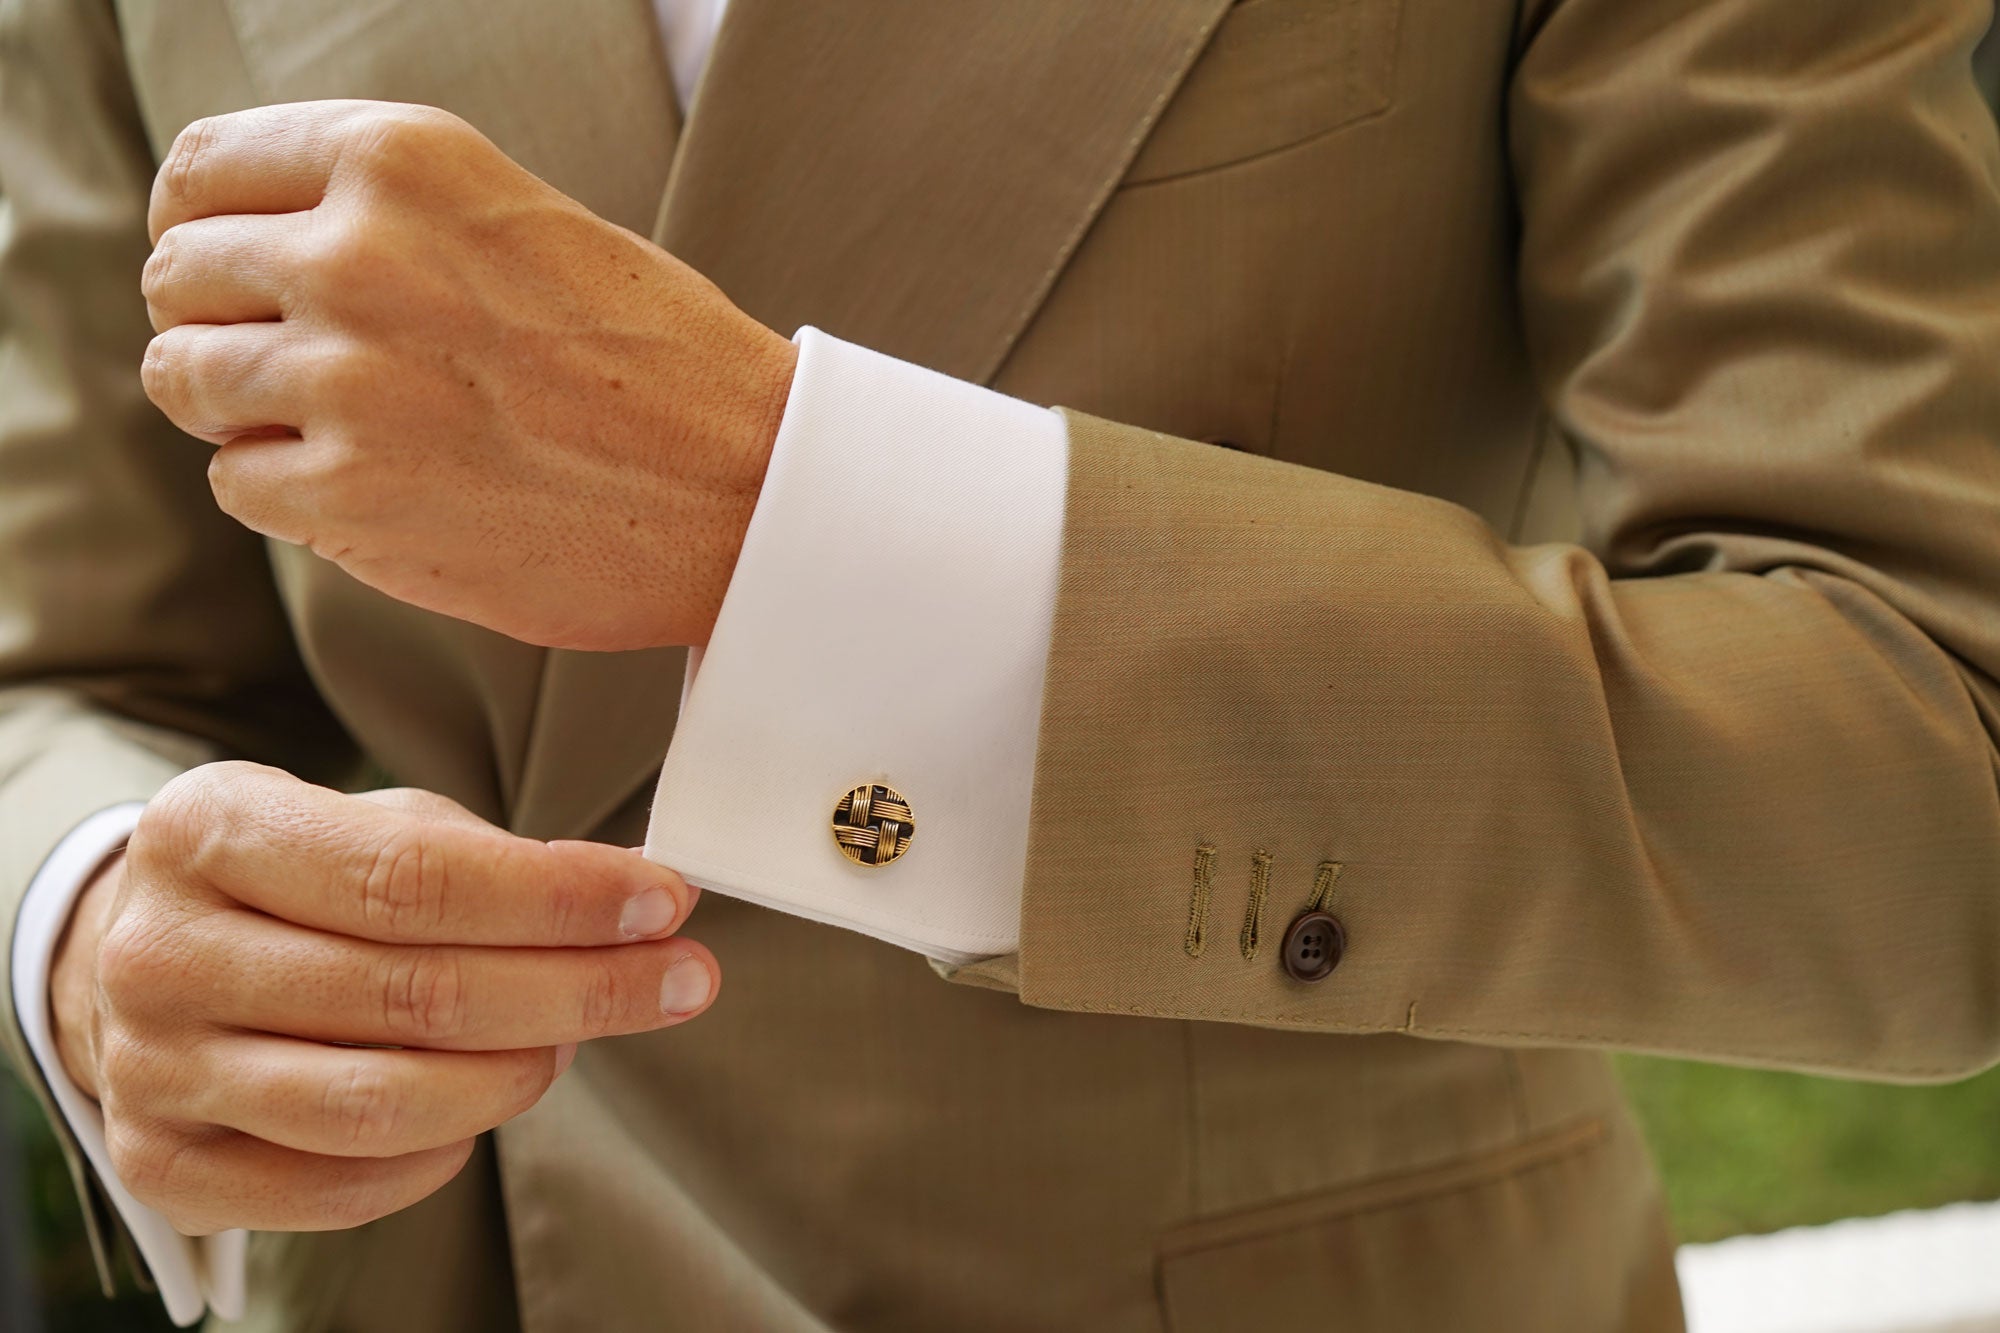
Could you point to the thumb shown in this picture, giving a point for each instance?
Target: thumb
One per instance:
(426, 805)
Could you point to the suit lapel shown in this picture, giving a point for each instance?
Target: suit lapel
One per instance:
(908, 176)
(912, 176)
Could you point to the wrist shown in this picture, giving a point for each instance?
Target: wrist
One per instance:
(73, 978)
(748, 439)
(777, 363)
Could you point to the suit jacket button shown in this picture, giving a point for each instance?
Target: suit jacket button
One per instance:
(1313, 946)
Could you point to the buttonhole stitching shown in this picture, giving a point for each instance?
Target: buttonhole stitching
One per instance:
(1323, 882)
(1253, 915)
(1204, 874)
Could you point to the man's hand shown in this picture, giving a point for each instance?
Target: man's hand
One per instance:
(434, 369)
(299, 1008)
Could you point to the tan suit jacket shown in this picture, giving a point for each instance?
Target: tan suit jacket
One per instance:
(1603, 569)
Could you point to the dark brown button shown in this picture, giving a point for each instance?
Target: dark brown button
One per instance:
(1313, 946)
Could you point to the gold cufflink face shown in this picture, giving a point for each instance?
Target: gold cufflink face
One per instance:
(872, 825)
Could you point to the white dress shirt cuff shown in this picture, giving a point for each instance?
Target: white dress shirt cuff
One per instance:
(888, 622)
(192, 1275)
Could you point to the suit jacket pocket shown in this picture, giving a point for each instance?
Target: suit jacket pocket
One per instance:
(1276, 73)
(1555, 1232)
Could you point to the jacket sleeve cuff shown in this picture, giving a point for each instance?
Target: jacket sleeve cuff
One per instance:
(888, 623)
(191, 1275)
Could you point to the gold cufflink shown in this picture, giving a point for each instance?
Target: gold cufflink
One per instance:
(872, 825)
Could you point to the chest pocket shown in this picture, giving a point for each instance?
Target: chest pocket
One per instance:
(1276, 73)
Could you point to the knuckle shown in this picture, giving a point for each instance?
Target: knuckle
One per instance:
(123, 1064)
(392, 140)
(139, 964)
(238, 491)
(162, 373)
(341, 260)
(432, 118)
(180, 827)
(346, 385)
(339, 518)
(121, 964)
(423, 995)
(158, 272)
(380, 154)
(565, 909)
(403, 892)
(182, 175)
(349, 270)
(184, 826)
(361, 1106)
(147, 1160)
(598, 999)
(131, 1155)
(179, 805)
(408, 800)
(260, 489)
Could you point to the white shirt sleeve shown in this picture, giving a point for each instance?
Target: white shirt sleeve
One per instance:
(192, 1275)
(888, 622)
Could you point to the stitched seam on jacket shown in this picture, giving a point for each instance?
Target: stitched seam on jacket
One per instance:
(1261, 155)
(1039, 293)
(1390, 93)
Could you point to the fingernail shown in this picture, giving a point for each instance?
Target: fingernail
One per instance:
(647, 913)
(685, 987)
(565, 1055)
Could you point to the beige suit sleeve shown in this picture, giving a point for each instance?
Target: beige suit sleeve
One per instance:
(1718, 780)
(139, 631)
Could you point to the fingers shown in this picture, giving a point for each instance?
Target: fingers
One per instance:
(269, 159)
(222, 270)
(289, 157)
(338, 863)
(352, 1101)
(445, 997)
(208, 1180)
(220, 381)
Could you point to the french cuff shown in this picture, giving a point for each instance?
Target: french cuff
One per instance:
(886, 631)
(192, 1275)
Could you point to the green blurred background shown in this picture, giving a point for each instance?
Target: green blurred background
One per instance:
(1741, 1151)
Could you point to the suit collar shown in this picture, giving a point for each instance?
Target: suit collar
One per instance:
(913, 176)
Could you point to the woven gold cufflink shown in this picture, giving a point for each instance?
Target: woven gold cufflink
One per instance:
(872, 825)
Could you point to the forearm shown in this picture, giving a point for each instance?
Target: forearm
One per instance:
(1549, 804)
(1746, 815)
